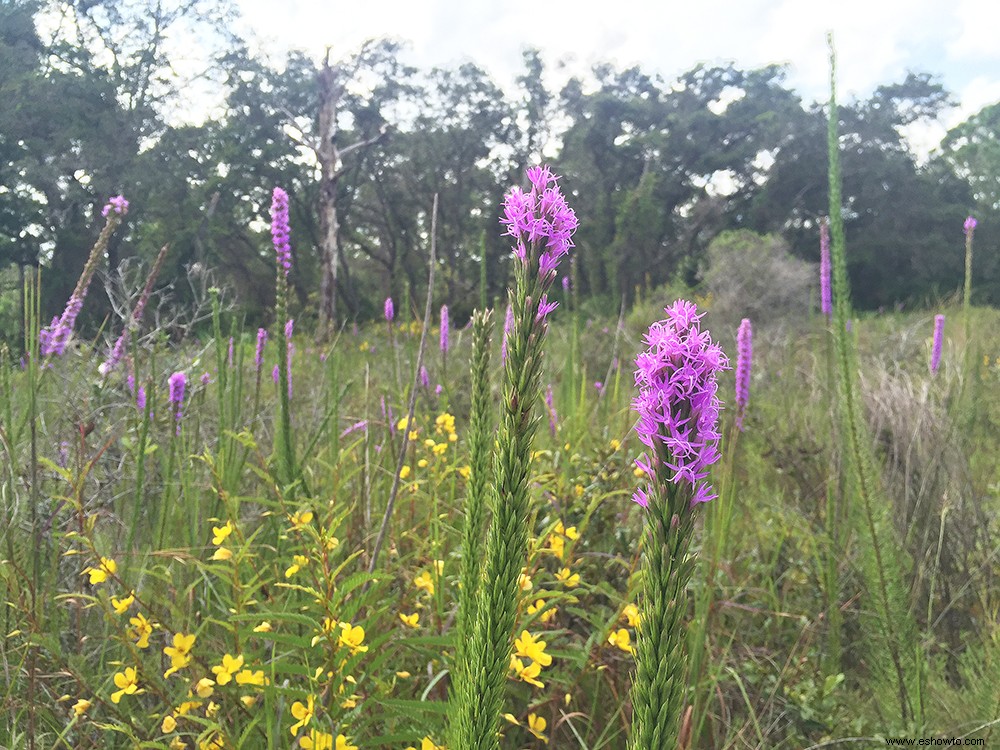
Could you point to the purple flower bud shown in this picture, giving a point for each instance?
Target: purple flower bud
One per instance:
(177, 383)
(969, 226)
(118, 204)
(599, 387)
(425, 378)
(261, 341)
(363, 424)
(280, 232)
(744, 349)
(230, 355)
(389, 311)
(444, 328)
(938, 342)
(825, 295)
(275, 374)
(140, 399)
(289, 329)
(205, 378)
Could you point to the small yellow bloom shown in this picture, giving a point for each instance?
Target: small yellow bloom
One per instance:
(221, 533)
(343, 744)
(527, 646)
(303, 712)
(465, 471)
(169, 724)
(121, 605)
(404, 472)
(352, 636)
(302, 519)
(403, 675)
(230, 666)
(528, 673)
(402, 424)
(631, 614)
(264, 627)
(621, 639)
(81, 706)
(428, 744)
(215, 742)
(638, 472)
(524, 581)
(187, 707)
(298, 562)
(317, 740)
(246, 677)
(204, 688)
(570, 580)
(429, 443)
(578, 490)
(615, 444)
(425, 581)
(179, 653)
(536, 725)
(223, 554)
(127, 683)
(210, 711)
(557, 546)
(439, 449)
(365, 346)
(422, 463)
(570, 533)
(105, 570)
(177, 744)
(410, 620)
(248, 700)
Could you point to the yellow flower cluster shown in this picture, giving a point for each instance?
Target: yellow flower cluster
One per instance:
(527, 647)
(621, 638)
(557, 539)
(536, 725)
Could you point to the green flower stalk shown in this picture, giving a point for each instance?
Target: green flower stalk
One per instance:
(480, 445)
(283, 258)
(541, 224)
(678, 410)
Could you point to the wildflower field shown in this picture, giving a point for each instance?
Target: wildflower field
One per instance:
(532, 528)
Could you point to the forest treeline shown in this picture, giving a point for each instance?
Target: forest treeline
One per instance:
(655, 169)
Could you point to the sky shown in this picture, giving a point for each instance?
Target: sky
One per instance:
(877, 41)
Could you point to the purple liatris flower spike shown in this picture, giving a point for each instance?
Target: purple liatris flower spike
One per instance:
(205, 378)
(425, 377)
(177, 383)
(678, 402)
(389, 311)
(229, 358)
(744, 349)
(970, 225)
(444, 329)
(938, 342)
(140, 399)
(261, 341)
(118, 204)
(280, 232)
(825, 295)
(540, 221)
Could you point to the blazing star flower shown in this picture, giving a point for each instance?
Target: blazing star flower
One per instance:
(444, 329)
(540, 222)
(388, 310)
(118, 204)
(177, 382)
(280, 231)
(261, 341)
(970, 225)
(825, 296)
(744, 348)
(53, 339)
(938, 341)
(678, 405)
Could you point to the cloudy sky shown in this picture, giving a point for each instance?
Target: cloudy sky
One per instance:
(877, 40)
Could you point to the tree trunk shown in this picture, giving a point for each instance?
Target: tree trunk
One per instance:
(330, 91)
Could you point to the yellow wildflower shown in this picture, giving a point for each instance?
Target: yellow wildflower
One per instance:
(570, 580)
(300, 519)
(527, 646)
(615, 444)
(428, 744)
(539, 606)
(528, 673)
(303, 712)
(221, 533)
(141, 630)
(569, 532)
(465, 471)
(425, 581)
(352, 637)
(204, 688)
(248, 700)
(298, 562)
(403, 423)
(179, 653)
(410, 620)
(222, 554)
(631, 614)
(317, 740)
(404, 472)
(169, 724)
(264, 627)
(444, 424)
(121, 605)
(578, 490)
(403, 675)
(439, 449)
(536, 725)
(422, 463)
(364, 346)
(81, 706)
(177, 744)
(557, 546)
(210, 712)
(215, 742)
(101, 573)
(246, 677)
(127, 683)
(524, 581)
(343, 744)
(230, 666)
(621, 639)
(429, 443)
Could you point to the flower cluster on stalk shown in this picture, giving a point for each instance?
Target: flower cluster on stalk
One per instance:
(678, 403)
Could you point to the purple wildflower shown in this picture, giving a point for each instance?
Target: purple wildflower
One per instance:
(206, 378)
(363, 424)
(140, 399)
(565, 284)
(289, 328)
(438, 389)
(54, 338)
(599, 387)
(545, 307)
(678, 402)
(540, 222)
(425, 378)
(389, 311)
(280, 232)
(118, 204)
(825, 295)
(744, 349)
(275, 374)
(970, 225)
(261, 341)
(444, 329)
(938, 341)
(177, 383)
(130, 383)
